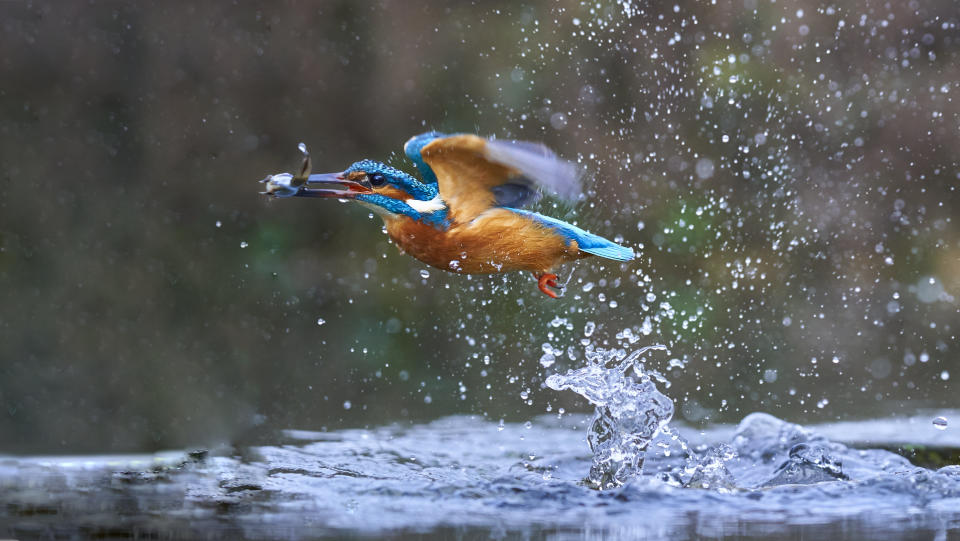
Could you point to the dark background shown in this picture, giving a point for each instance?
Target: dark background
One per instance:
(787, 170)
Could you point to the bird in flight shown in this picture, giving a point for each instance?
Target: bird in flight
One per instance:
(466, 214)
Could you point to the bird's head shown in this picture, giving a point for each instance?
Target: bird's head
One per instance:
(381, 179)
(385, 189)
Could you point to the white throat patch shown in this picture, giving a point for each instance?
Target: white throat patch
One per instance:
(426, 207)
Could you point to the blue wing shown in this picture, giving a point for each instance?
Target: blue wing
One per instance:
(412, 149)
(587, 242)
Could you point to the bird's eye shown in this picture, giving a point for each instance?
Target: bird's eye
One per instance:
(377, 179)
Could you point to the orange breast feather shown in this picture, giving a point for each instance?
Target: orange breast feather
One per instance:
(498, 240)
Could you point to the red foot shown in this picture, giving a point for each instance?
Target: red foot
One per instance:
(545, 280)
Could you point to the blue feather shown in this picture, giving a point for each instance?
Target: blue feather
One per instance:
(412, 149)
(396, 177)
(587, 242)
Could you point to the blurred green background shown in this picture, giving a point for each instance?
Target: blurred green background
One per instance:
(787, 169)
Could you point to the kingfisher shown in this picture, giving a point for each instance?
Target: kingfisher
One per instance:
(466, 214)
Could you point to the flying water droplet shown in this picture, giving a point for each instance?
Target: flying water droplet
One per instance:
(303, 148)
(320, 321)
(424, 274)
(547, 360)
(589, 328)
(243, 244)
(940, 423)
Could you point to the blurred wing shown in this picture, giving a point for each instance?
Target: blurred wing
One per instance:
(538, 164)
(474, 174)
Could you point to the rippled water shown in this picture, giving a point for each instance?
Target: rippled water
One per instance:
(624, 472)
(467, 475)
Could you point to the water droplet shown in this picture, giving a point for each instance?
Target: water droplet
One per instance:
(219, 223)
(558, 121)
(704, 168)
(547, 360)
(347, 405)
(243, 244)
(589, 328)
(303, 148)
(424, 274)
(500, 426)
(940, 423)
(321, 321)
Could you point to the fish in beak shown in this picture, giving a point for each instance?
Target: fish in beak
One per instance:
(303, 184)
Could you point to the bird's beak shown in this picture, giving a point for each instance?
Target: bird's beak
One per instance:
(331, 185)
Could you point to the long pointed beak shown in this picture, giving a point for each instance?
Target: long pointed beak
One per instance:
(325, 185)
(332, 185)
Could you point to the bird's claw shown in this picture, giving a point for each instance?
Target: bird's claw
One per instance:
(549, 280)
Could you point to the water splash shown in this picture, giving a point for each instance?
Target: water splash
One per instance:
(630, 411)
(710, 470)
(631, 414)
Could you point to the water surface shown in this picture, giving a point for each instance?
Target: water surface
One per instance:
(474, 477)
